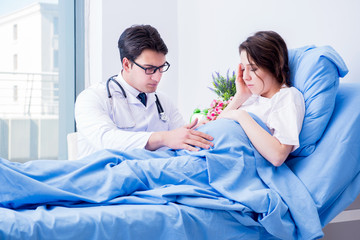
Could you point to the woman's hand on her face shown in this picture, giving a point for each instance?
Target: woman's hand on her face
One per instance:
(242, 91)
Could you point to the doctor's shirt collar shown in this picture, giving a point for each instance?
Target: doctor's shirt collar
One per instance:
(134, 92)
(127, 86)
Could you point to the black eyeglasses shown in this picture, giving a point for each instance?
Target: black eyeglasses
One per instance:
(151, 70)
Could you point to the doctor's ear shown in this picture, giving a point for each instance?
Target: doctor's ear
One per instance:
(126, 64)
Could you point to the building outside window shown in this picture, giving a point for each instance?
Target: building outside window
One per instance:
(15, 93)
(15, 62)
(55, 59)
(56, 26)
(30, 118)
(15, 32)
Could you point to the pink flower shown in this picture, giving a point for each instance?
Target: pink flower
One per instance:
(213, 103)
(211, 115)
(208, 115)
(216, 108)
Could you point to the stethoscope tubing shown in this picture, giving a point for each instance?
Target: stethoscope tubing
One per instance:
(112, 78)
(160, 109)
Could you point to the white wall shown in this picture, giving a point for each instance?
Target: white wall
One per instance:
(203, 36)
(109, 19)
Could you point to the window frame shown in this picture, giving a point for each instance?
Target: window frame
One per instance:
(71, 66)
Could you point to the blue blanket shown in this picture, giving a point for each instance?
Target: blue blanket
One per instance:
(232, 177)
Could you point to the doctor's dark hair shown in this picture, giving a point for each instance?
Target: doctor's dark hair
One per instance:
(137, 38)
(268, 50)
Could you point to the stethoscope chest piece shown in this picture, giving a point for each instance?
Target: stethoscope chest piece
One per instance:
(163, 117)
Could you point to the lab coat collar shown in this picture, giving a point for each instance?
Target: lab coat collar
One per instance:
(132, 93)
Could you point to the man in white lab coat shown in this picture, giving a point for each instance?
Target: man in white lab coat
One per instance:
(126, 112)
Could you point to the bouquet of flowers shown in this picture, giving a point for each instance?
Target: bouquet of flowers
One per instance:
(216, 107)
(225, 88)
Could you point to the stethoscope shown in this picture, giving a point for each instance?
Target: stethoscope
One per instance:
(163, 117)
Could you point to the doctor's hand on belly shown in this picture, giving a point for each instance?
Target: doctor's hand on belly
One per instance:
(185, 137)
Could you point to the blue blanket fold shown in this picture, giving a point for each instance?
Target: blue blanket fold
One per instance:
(232, 177)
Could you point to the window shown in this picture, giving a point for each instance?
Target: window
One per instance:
(56, 26)
(56, 59)
(15, 62)
(15, 93)
(15, 32)
(37, 84)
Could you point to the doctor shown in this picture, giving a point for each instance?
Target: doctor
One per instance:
(126, 112)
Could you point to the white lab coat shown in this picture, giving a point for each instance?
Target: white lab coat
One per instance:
(128, 125)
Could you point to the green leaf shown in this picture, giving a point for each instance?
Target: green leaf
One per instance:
(224, 87)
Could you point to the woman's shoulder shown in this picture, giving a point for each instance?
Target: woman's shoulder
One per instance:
(290, 94)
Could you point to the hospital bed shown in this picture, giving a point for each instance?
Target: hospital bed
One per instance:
(346, 224)
(327, 166)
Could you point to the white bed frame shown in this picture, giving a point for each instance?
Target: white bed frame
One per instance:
(72, 145)
(346, 225)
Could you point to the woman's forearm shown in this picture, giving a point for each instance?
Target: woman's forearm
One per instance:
(266, 144)
(236, 103)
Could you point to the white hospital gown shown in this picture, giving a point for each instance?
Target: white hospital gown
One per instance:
(283, 114)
